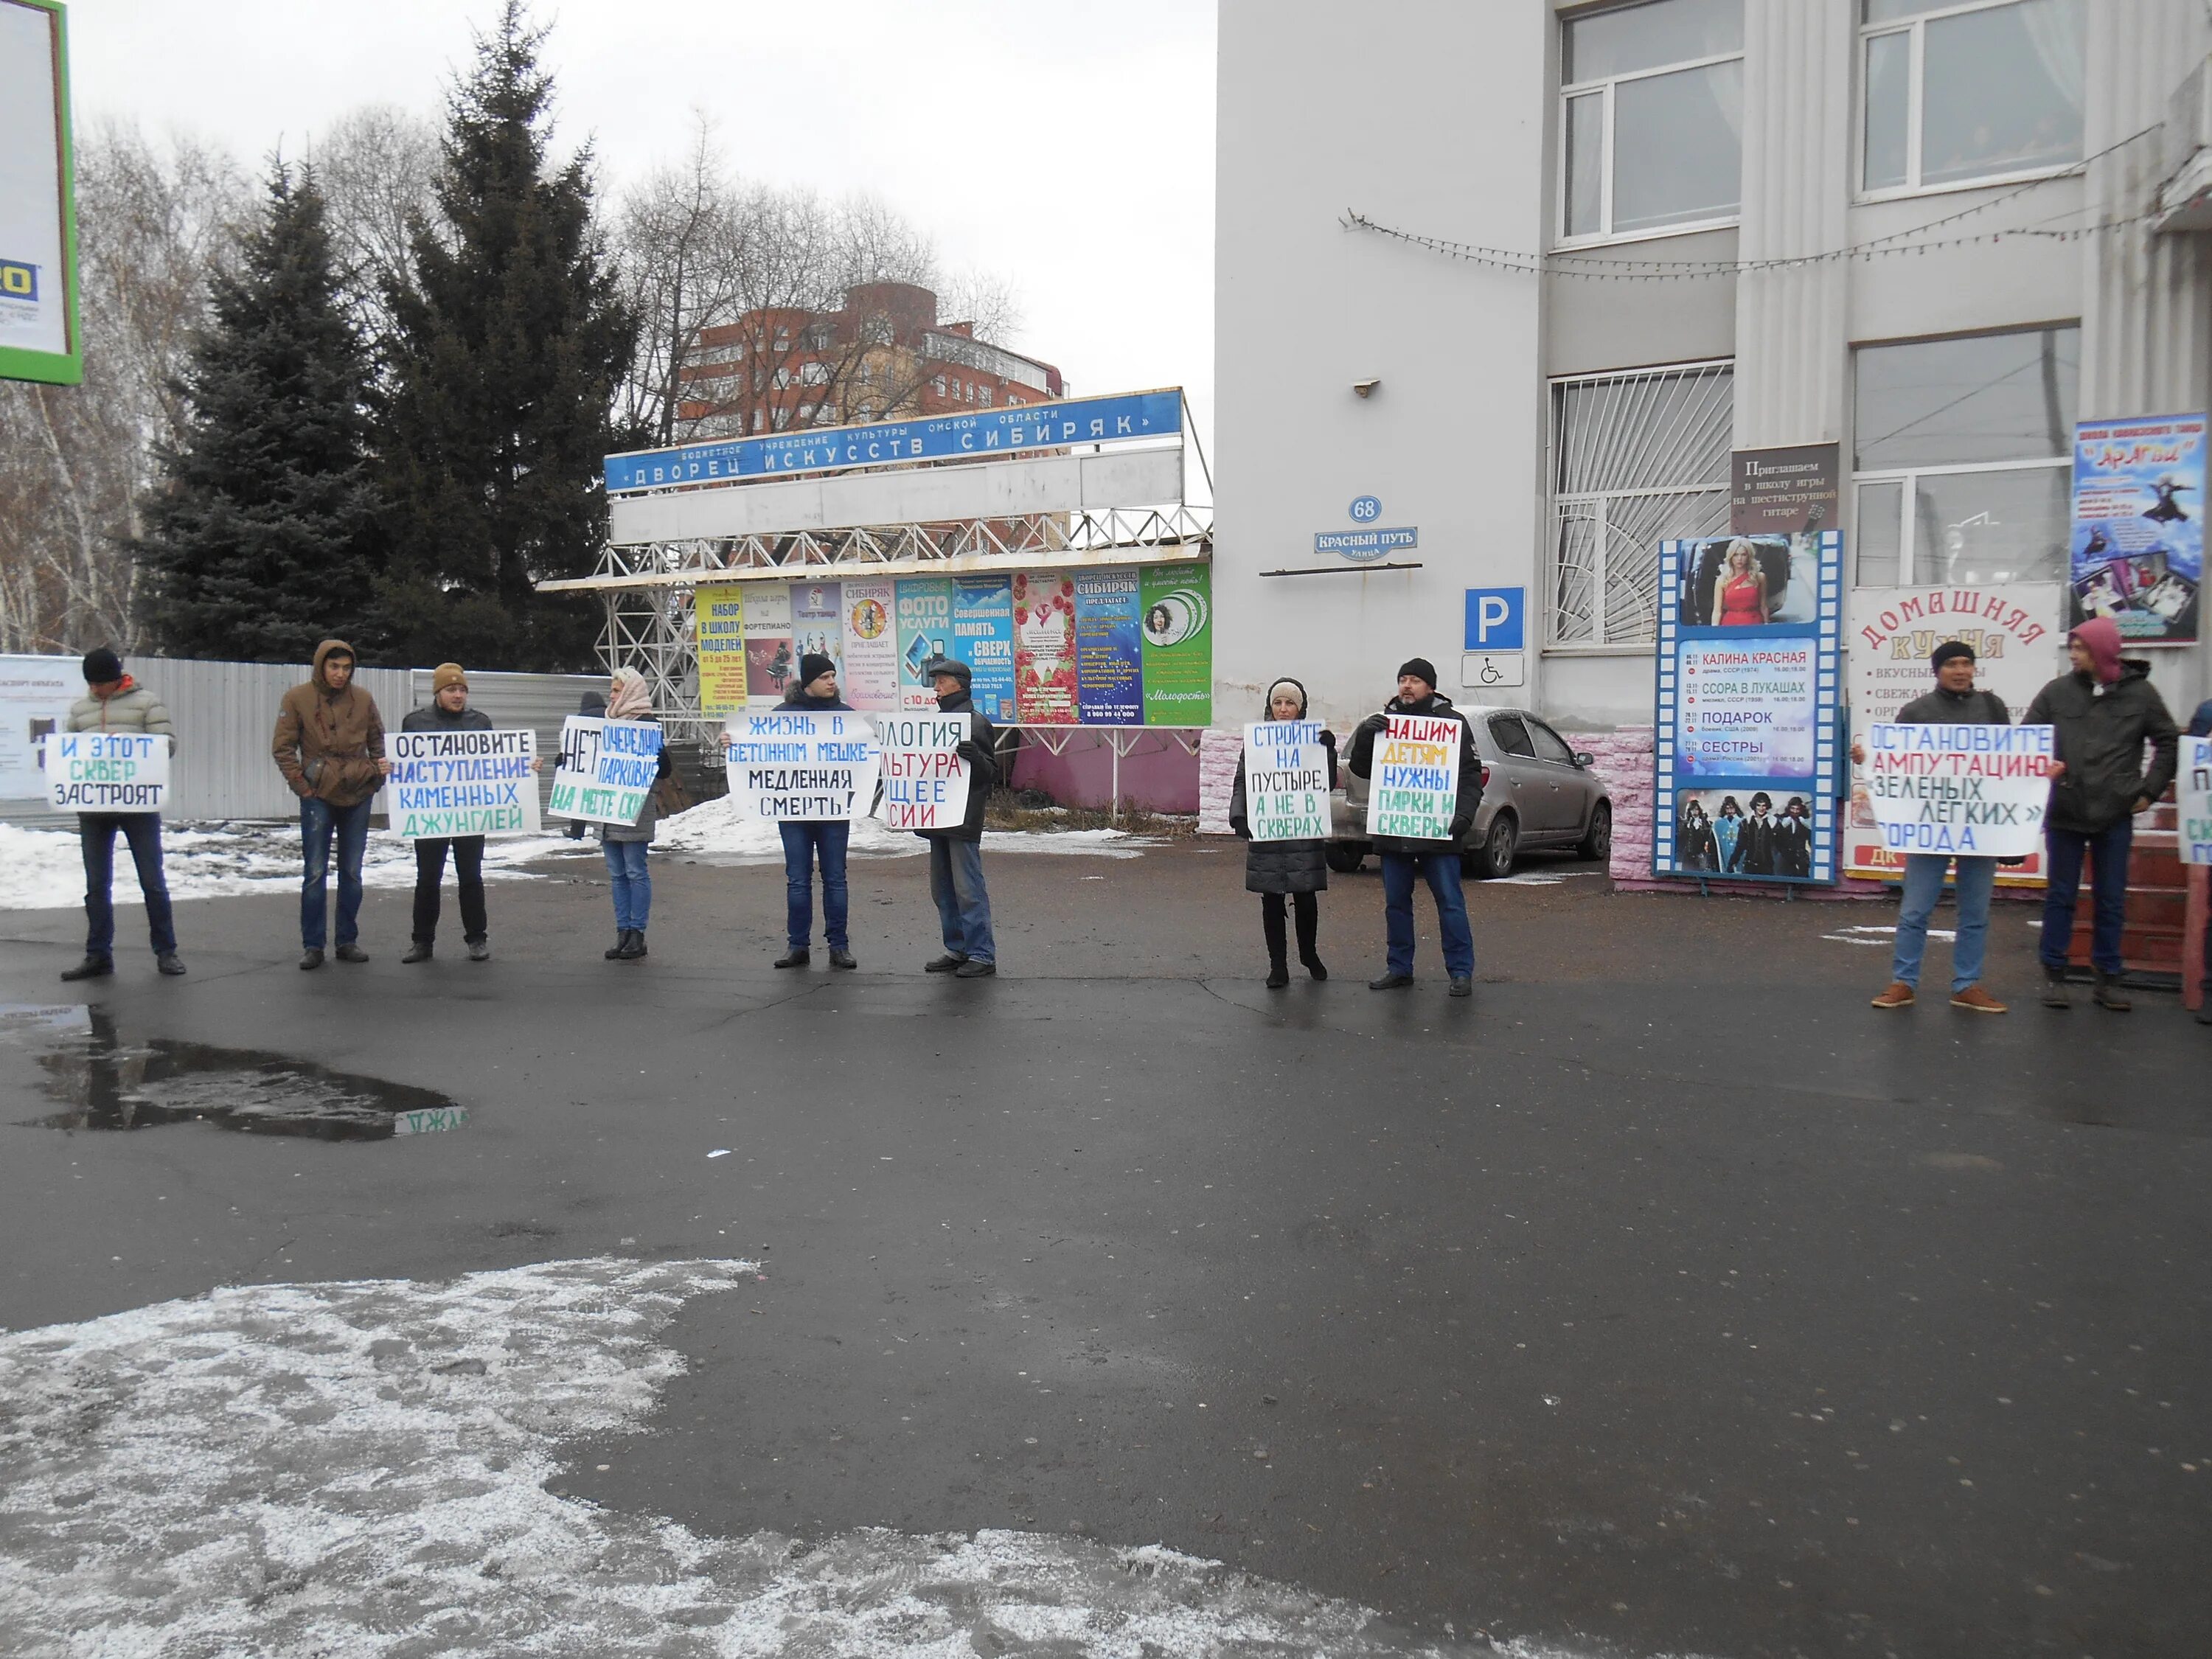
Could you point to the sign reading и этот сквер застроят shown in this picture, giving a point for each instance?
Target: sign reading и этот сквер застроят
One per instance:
(882, 443)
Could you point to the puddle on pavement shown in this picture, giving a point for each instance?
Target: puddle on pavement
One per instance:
(102, 1081)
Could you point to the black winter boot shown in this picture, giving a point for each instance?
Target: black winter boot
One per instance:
(2107, 993)
(1271, 924)
(635, 948)
(1308, 919)
(620, 946)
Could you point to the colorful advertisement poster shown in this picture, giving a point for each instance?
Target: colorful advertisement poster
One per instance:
(1784, 492)
(983, 638)
(818, 623)
(1178, 644)
(1044, 649)
(870, 678)
(2193, 794)
(461, 783)
(35, 695)
(1108, 666)
(1287, 780)
(2138, 534)
(770, 661)
(1959, 790)
(718, 618)
(2014, 632)
(795, 766)
(1415, 793)
(605, 769)
(1747, 761)
(113, 772)
(925, 779)
(925, 630)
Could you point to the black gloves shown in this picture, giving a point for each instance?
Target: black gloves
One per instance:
(1461, 825)
(1375, 725)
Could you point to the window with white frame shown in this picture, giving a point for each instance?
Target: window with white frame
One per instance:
(1650, 118)
(1637, 458)
(1969, 92)
(1963, 466)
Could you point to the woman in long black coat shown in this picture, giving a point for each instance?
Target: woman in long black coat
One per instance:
(1275, 869)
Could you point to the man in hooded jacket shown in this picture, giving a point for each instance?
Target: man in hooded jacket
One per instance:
(815, 692)
(1437, 862)
(329, 744)
(956, 855)
(2104, 711)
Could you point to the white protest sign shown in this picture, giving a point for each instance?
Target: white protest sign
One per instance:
(1416, 778)
(106, 771)
(801, 766)
(461, 783)
(1287, 780)
(2194, 792)
(1974, 791)
(925, 780)
(605, 769)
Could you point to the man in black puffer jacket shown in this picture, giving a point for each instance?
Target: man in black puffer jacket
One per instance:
(1436, 862)
(956, 856)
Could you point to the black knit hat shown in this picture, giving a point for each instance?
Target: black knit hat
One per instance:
(1420, 668)
(101, 665)
(812, 665)
(1950, 648)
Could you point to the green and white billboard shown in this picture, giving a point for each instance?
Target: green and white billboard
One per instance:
(39, 337)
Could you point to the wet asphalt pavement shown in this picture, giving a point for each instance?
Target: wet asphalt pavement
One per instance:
(1663, 1298)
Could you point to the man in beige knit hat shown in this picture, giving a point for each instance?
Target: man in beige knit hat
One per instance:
(449, 711)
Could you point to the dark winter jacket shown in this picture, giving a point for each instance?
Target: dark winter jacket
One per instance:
(434, 717)
(1282, 866)
(980, 751)
(1361, 761)
(327, 743)
(133, 708)
(1942, 707)
(796, 699)
(2102, 731)
(2200, 723)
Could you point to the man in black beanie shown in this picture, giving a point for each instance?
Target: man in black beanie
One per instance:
(113, 702)
(1436, 862)
(814, 690)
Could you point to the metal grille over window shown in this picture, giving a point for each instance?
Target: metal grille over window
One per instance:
(1637, 459)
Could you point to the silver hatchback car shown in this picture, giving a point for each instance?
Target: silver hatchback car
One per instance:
(1536, 792)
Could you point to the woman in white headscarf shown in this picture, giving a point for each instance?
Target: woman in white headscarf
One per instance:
(624, 845)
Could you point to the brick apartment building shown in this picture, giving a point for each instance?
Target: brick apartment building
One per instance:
(882, 354)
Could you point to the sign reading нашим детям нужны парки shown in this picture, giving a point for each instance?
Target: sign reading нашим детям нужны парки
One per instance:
(938, 437)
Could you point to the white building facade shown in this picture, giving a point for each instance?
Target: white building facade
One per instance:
(1518, 275)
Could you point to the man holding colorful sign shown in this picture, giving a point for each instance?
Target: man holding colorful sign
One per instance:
(1427, 786)
(810, 765)
(956, 847)
(110, 764)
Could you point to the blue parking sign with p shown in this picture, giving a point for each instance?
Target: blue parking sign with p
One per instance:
(1497, 619)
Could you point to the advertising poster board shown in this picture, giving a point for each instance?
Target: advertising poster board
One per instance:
(718, 621)
(1044, 649)
(604, 770)
(816, 623)
(1287, 780)
(35, 695)
(461, 783)
(1746, 753)
(925, 630)
(1109, 669)
(38, 211)
(1959, 790)
(925, 780)
(983, 638)
(2193, 790)
(2138, 533)
(107, 772)
(801, 766)
(1415, 792)
(2014, 630)
(1178, 644)
(1789, 491)
(870, 675)
(770, 661)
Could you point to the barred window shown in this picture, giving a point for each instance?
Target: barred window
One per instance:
(1637, 458)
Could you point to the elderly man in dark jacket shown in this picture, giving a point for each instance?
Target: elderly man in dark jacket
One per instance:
(956, 855)
(1436, 862)
(2105, 711)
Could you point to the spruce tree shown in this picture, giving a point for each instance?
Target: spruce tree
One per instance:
(262, 538)
(507, 342)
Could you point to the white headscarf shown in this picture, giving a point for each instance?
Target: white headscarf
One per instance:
(630, 700)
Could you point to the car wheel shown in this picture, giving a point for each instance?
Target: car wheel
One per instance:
(1495, 857)
(1598, 843)
(1343, 856)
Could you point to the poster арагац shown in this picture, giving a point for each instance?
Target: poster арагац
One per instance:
(2137, 544)
(1746, 707)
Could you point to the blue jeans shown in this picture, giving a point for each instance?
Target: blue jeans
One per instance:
(1924, 887)
(1441, 871)
(319, 821)
(142, 831)
(2108, 861)
(633, 886)
(964, 905)
(801, 842)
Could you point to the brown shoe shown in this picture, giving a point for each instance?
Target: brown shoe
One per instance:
(1978, 999)
(1899, 995)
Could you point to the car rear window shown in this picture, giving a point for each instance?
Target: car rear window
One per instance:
(1512, 736)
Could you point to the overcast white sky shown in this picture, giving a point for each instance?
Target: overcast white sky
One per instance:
(1068, 146)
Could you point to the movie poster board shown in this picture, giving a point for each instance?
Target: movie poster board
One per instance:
(2137, 544)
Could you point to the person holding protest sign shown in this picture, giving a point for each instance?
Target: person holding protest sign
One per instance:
(955, 854)
(625, 844)
(1275, 869)
(1954, 701)
(815, 692)
(449, 711)
(2104, 711)
(329, 744)
(2200, 725)
(1434, 859)
(113, 702)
